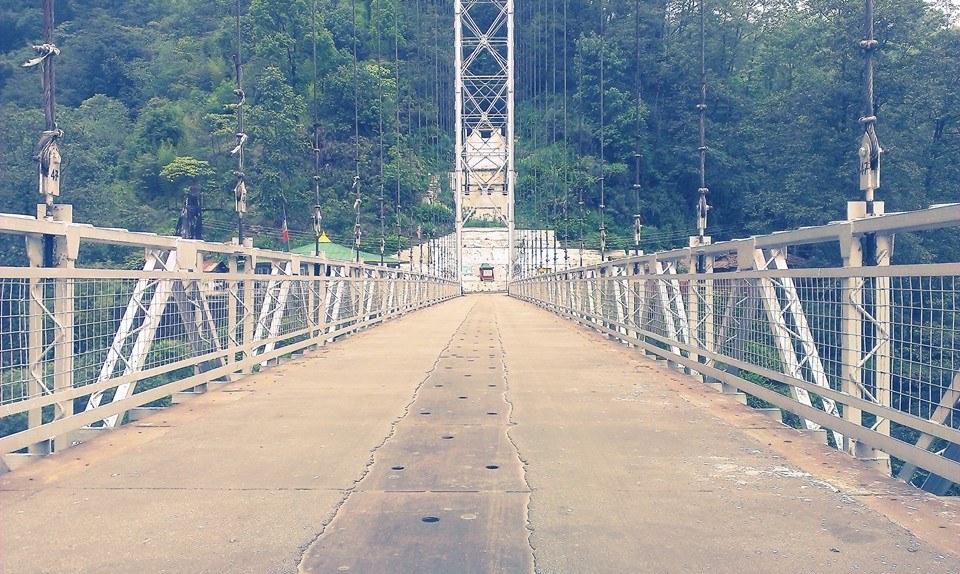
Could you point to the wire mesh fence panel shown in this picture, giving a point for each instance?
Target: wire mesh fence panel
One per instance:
(875, 349)
(925, 342)
(17, 347)
(80, 347)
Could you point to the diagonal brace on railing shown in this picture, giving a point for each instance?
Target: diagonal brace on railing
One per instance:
(784, 341)
(145, 333)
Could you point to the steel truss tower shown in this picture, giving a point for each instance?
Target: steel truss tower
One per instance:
(484, 63)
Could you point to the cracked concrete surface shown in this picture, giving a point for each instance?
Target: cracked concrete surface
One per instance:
(224, 482)
(637, 468)
(393, 428)
(446, 492)
(605, 461)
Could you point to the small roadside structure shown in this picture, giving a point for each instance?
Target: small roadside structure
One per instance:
(337, 252)
(486, 272)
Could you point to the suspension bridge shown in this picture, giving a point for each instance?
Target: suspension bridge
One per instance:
(514, 407)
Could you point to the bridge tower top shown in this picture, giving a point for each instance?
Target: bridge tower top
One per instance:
(484, 178)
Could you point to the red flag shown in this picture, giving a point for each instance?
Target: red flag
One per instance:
(285, 235)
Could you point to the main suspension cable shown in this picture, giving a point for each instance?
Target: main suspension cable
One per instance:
(566, 143)
(381, 182)
(603, 206)
(357, 228)
(543, 214)
(240, 190)
(637, 150)
(48, 148)
(580, 205)
(317, 208)
(399, 158)
(870, 150)
(438, 84)
(553, 142)
(702, 206)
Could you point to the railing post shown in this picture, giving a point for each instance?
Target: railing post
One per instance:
(559, 290)
(367, 294)
(592, 284)
(630, 272)
(851, 249)
(308, 290)
(709, 320)
(883, 335)
(384, 290)
(557, 296)
(700, 299)
(190, 260)
(693, 302)
(334, 290)
(582, 306)
(249, 287)
(640, 301)
(360, 294)
(65, 252)
(35, 326)
(548, 288)
(746, 250)
(320, 309)
(664, 286)
(294, 283)
(233, 298)
(391, 292)
(411, 292)
(853, 318)
(623, 302)
(372, 294)
(650, 294)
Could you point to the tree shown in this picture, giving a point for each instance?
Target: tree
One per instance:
(142, 84)
(189, 171)
(278, 142)
(281, 29)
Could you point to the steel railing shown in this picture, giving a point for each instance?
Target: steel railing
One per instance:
(79, 348)
(871, 354)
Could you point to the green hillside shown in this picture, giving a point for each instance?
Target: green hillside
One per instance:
(142, 83)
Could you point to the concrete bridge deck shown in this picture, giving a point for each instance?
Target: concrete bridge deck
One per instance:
(482, 435)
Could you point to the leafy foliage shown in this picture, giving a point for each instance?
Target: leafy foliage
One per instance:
(785, 84)
(143, 84)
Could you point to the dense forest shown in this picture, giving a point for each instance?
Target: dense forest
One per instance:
(146, 93)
